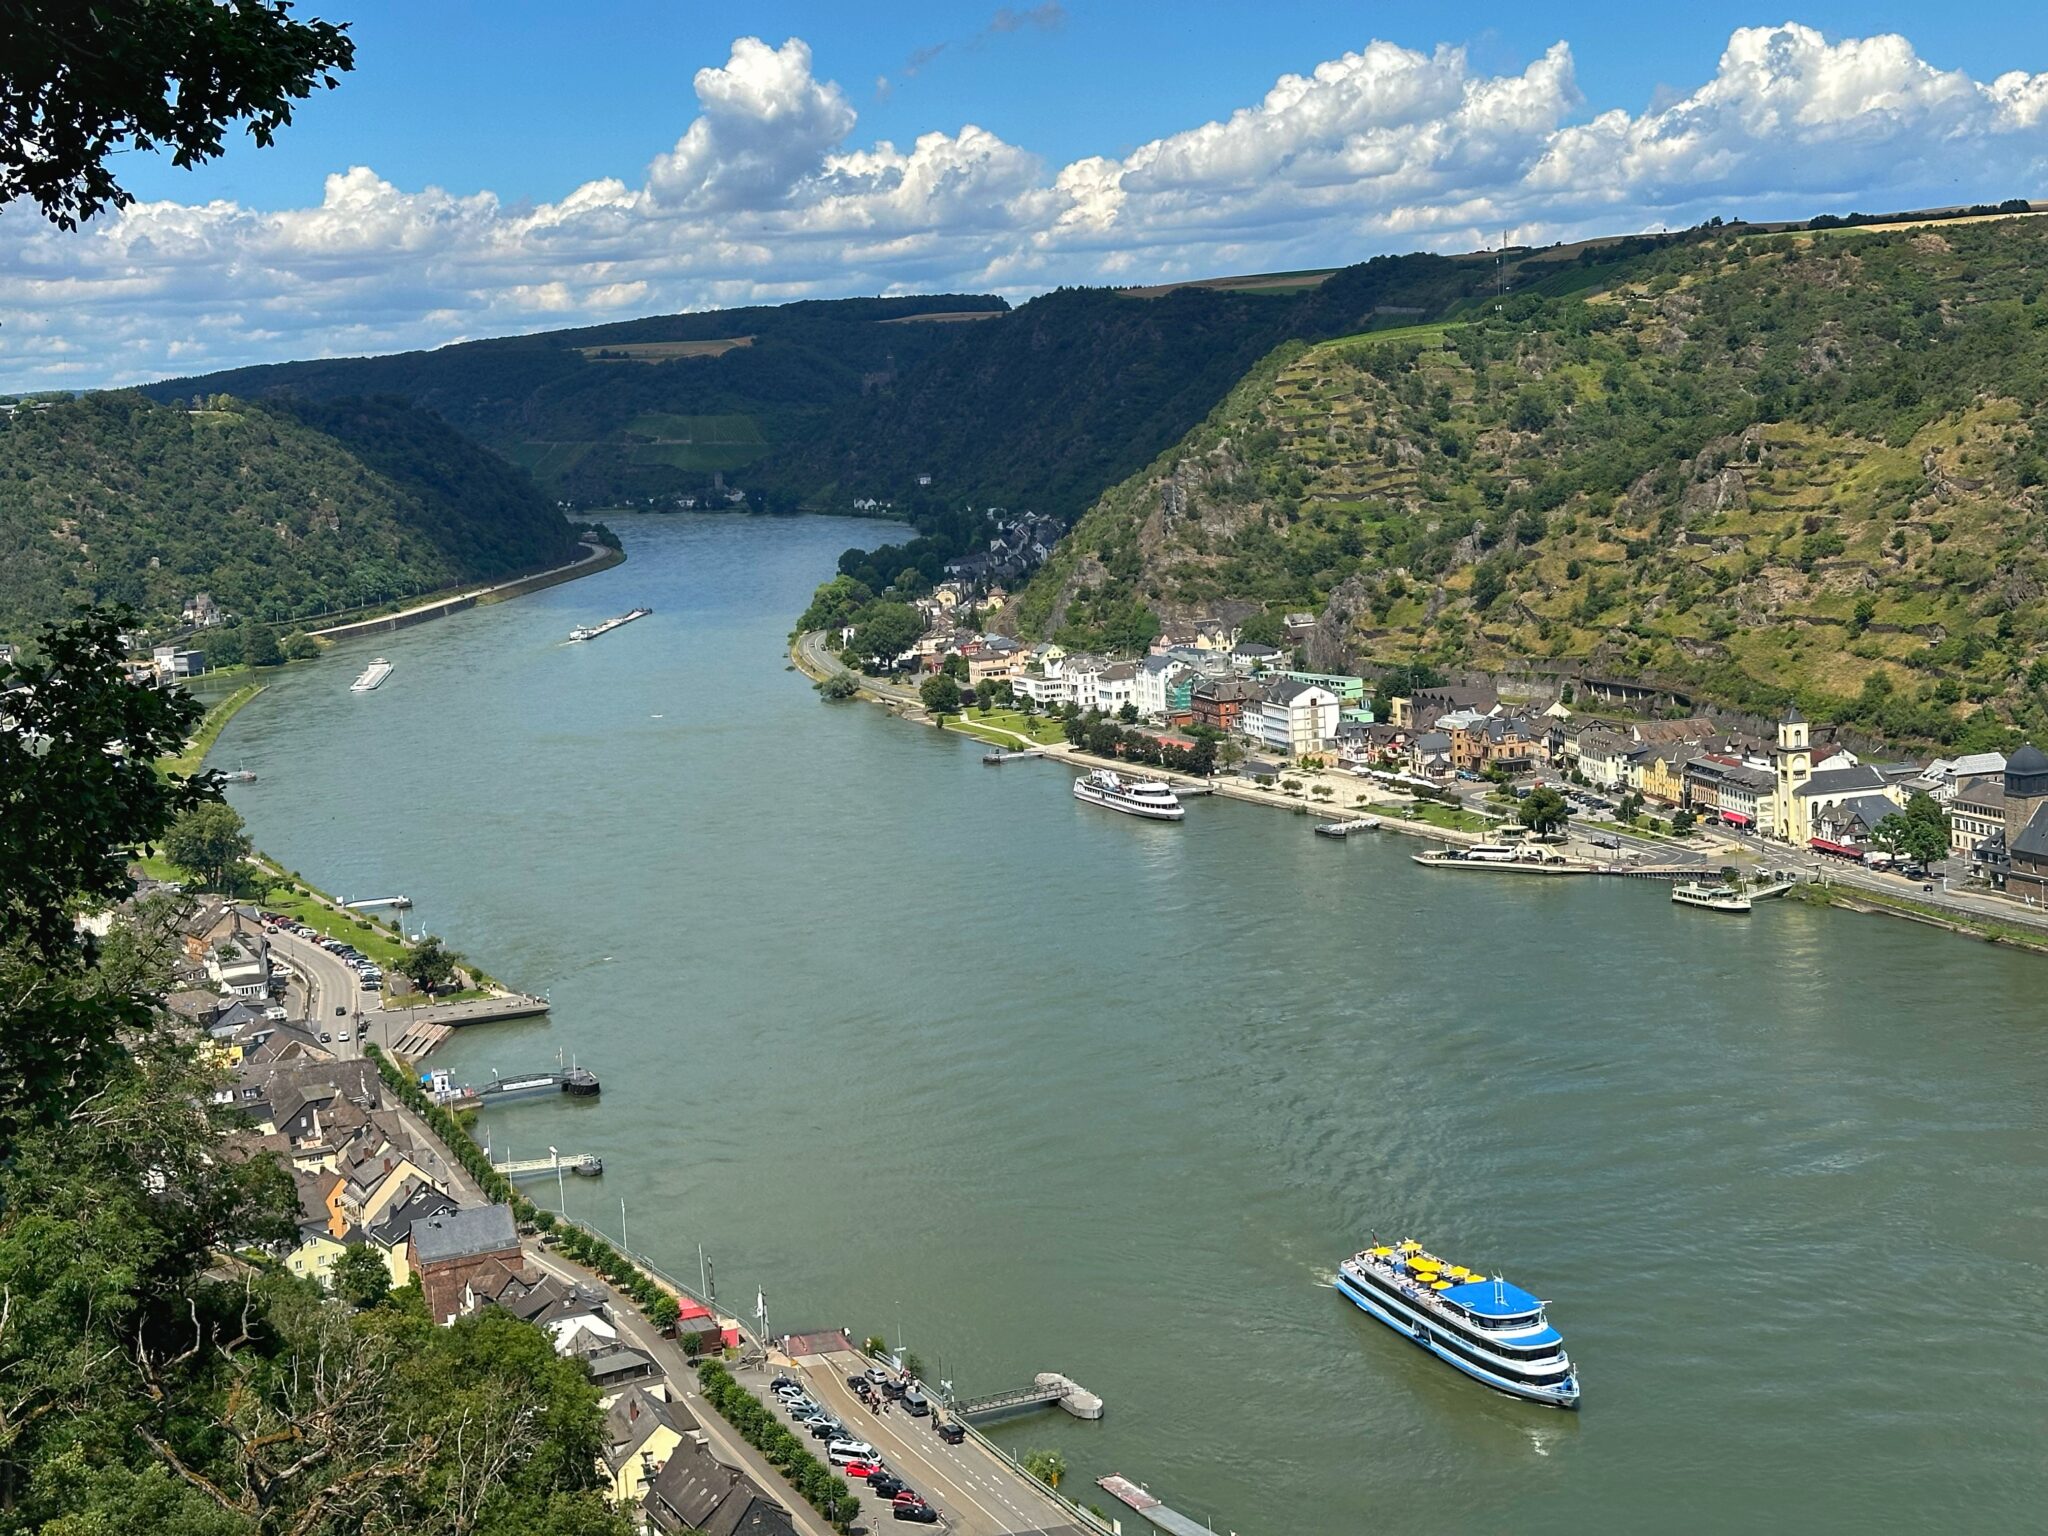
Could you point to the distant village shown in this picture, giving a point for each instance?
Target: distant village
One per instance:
(1794, 786)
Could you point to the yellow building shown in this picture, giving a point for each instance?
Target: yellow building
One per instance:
(641, 1433)
(1793, 765)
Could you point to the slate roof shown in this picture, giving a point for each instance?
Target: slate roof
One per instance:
(636, 1414)
(422, 1204)
(1837, 781)
(1287, 689)
(2029, 759)
(2032, 843)
(618, 1363)
(465, 1233)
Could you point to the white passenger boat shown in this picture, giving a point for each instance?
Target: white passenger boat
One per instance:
(1714, 898)
(1492, 1331)
(1134, 797)
(373, 676)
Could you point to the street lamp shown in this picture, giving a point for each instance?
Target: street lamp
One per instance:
(561, 1194)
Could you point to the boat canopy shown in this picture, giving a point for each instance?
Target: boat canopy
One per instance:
(1494, 1298)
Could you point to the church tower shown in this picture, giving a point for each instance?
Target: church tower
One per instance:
(1794, 763)
(2026, 790)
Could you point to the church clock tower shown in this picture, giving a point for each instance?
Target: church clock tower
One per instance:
(1794, 761)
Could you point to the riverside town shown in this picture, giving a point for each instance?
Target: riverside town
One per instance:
(792, 771)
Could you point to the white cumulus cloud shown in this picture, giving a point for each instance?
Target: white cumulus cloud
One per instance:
(769, 194)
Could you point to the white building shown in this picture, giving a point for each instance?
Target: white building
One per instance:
(1156, 677)
(1293, 718)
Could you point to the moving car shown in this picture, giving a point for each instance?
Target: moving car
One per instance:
(915, 1403)
(948, 1431)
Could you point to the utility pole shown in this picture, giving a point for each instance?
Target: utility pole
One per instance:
(561, 1194)
(628, 1247)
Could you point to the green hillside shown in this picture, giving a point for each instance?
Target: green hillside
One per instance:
(279, 511)
(1752, 466)
(603, 414)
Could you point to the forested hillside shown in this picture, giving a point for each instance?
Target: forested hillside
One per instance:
(278, 510)
(1755, 466)
(652, 407)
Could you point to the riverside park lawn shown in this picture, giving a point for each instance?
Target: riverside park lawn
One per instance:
(1008, 728)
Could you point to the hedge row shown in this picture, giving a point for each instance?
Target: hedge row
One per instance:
(580, 1244)
(822, 1489)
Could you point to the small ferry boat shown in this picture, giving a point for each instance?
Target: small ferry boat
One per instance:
(239, 776)
(1492, 1331)
(584, 632)
(1714, 898)
(373, 676)
(1346, 828)
(1134, 797)
(1526, 859)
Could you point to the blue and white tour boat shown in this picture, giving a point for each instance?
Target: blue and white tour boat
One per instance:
(1492, 1331)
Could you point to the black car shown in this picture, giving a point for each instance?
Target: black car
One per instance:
(948, 1431)
(783, 1381)
(893, 1388)
(884, 1485)
(826, 1429)
(857, 1380)
(922, 1514)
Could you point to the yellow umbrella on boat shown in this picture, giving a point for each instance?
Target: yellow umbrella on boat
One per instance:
(1381, 1253)
(1411, 1246)
(1440, 1285)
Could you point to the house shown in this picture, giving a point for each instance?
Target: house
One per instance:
(1116, 685)
(300, 1101)
(1293, 718)
(694, 1491)
(1844, 826)
(444, 1251)
(240, 966)
(641, 1431)
(1219, 703)
(1976, 813)
(1603, 757)
(1748, 798)
(1492, 741)
(1944, 778)
(619, 1366)
(1663, 772)
(391, 1234)
(1429, 754)
(1422, 709)
(1249, 656)
(1155, 691)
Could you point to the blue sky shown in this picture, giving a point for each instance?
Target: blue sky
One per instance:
(502, 167)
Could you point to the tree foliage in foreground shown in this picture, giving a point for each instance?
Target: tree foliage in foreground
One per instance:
(81, 83)
(159, 1371)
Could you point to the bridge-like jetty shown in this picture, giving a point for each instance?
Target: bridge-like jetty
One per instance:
(1047, 1389)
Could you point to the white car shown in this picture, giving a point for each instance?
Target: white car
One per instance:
(840, 1452)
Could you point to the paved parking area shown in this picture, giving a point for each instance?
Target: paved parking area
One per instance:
(975, 1493)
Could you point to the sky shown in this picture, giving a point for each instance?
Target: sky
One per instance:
(492, 168)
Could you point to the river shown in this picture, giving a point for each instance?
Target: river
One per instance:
(917, 1046)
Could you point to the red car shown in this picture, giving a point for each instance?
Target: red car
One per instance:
(863, 1469)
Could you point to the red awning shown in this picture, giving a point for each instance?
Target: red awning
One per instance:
(1740, 818)
(1827, 847)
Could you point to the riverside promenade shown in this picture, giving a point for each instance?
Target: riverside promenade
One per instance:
(597, 557)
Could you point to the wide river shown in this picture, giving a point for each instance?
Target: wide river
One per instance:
(917, 1046)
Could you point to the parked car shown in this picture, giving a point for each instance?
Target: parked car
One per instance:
(949, 1431)
(826, 1429)
(326, 1038)
(885, 1485)
(840, 1452)
(864, 1469)
(787, 1388)
(784, 1381)
(893, 1388)
(919, 1514)
(1606, 842)
(877, 1375)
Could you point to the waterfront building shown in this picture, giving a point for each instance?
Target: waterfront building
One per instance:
(1293, 718)
(1429, 754)
(2026, 825)
(1663, 773)
(641, 1432)
(1748, 797)
(1976, 814)
(1826, 791)
(445, 1251)
(1603, 757)
(1219, 703)
(1155, 686)
(1350, 691)
(1493, 741)
(1426, 706)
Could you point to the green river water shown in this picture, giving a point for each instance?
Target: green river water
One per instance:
(919, 1046)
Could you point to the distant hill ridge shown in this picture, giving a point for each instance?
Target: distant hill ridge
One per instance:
(276, 509)
(1760, 467)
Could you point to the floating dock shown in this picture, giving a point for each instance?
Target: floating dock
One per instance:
(1047, 1389)
(1346, 828)
(576, 1082)
(584, 1164)
(400, 902)
(992, 758)
(1169, 1520)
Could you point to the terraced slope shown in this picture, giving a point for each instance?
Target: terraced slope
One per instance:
(1762, 467)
